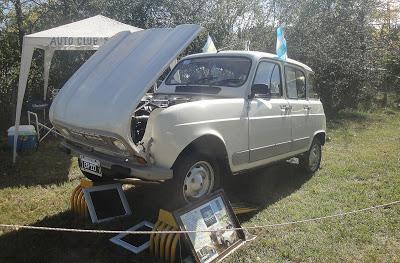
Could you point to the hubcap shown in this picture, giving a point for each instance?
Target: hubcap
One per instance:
(315, 156)
(199, 181)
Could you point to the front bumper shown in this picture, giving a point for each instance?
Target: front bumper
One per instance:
(145, 172)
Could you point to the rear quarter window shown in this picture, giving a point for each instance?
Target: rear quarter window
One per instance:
(295, 83)
(311, 87)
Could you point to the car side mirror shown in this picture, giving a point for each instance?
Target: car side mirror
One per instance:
(260, 91)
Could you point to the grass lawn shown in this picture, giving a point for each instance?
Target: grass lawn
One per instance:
(360, 168)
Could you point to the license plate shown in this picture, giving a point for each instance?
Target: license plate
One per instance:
(90, 165)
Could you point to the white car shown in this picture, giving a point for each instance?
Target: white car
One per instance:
(214, 115)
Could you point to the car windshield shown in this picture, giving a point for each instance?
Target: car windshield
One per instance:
(211, 71)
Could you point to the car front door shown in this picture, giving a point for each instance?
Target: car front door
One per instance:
(269, 122)
(299, 108)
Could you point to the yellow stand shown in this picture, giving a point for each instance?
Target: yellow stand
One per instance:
(164, 246)
(78, 204)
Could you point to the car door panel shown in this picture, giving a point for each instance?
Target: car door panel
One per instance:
(315, 108)
(269, 122)
(301, 119)
(269, 129)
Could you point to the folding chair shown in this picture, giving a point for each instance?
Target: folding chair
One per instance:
(44, 125)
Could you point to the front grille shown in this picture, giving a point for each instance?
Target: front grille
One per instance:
(90, 138)
(102, 143)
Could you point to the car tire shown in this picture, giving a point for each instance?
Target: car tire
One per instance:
(311, 160)
(195, 176)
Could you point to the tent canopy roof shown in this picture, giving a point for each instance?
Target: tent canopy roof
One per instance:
(96, 26)
(89, 33)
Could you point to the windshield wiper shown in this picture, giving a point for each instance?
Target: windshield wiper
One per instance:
(202, 81)
(225, 81)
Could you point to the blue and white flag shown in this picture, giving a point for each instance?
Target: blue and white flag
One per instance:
(281, 48)
(209, 47)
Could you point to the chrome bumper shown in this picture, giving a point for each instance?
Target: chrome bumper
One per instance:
(146, 172)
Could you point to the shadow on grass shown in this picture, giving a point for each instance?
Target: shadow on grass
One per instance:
(45, 246)
(47, 165)
(262, 187)
(265, 186)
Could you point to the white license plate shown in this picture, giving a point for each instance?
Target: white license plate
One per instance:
(90, 165)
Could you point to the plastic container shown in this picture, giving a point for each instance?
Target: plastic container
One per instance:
(27, 138)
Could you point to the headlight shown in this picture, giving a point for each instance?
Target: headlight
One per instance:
(119, 145)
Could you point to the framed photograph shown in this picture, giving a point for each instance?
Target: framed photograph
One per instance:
(106, 202)
(134, 243)
(213, 213)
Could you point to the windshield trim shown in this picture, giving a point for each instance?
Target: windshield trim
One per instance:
(210, 56)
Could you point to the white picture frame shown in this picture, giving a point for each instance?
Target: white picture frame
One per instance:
(118, 239)
(213, 213)
(91, 208)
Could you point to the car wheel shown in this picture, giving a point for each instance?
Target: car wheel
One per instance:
(311, 160)
(195, 176)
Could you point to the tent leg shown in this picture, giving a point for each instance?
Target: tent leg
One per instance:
(26, 58)
(48, 56)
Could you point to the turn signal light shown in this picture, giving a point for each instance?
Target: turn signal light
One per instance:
(140, 160)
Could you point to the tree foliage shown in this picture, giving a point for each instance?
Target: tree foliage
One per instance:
(353, 45)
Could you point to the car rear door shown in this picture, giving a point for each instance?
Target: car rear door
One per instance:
(301, 121)
(269, 122)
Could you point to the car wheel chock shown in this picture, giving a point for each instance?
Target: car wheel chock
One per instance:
(164, 246)
(244, 208)
(78, 203)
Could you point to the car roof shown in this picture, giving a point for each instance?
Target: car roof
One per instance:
(256, 55)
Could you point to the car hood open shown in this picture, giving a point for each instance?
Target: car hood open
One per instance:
(104, 92)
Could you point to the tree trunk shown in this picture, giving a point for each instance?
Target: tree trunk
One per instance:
(19, 18)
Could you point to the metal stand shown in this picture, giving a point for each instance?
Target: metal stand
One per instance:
(40, 126)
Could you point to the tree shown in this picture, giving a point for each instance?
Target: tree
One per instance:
(353, 45)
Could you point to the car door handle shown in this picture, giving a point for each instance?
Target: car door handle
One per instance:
(284, 107)
(306, 107)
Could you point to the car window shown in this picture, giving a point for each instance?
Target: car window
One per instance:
(311, 88)
(269, 73)
(290, 75)
(295, 83)
(211, 71)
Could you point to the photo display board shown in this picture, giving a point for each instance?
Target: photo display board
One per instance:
(106, 202)
(214, 213)
(135, 243)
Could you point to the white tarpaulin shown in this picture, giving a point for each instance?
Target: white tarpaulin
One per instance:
(86, 34)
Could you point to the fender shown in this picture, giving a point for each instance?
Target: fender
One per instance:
(176, 127)
(209, 142)
(316, 133)
(169, 140)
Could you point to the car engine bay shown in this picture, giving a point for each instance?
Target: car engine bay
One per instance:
(148, 104)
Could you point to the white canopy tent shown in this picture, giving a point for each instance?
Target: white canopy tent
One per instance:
(86, 34)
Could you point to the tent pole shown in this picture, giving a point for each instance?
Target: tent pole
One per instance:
(26, 59)
(48, 56)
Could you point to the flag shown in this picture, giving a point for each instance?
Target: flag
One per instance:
(209, 47)
(281, 48)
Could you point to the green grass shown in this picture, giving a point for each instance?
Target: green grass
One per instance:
(360, 168)
(38, 186)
